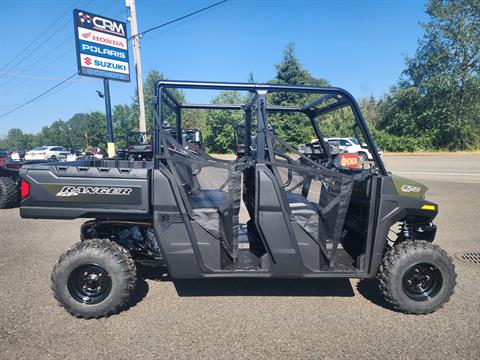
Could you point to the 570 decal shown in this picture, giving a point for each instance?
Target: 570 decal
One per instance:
(94, 190)
(411, 188)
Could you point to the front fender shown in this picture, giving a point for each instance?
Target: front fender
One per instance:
(393, 208)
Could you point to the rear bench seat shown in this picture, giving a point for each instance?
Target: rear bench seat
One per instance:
(305, 213)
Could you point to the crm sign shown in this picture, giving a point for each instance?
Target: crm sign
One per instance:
(102, 46)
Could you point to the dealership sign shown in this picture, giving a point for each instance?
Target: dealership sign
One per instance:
(102, 46)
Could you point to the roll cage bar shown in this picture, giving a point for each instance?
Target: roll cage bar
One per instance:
(337, 98)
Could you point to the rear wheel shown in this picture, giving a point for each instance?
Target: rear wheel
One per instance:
(95, 278)
(8, 193)
(416, 277)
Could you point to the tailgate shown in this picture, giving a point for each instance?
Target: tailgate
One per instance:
(67, 192)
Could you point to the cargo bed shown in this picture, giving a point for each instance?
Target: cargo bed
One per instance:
(114, 189)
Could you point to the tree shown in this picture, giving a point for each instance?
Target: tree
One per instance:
(15, 140)
(148, 93)
(194, 118)
(370, 110)
(219, 129)
(293, 128)
(124, 120)
(438, 97)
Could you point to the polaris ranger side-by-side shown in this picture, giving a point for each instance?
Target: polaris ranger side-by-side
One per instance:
(301, 218)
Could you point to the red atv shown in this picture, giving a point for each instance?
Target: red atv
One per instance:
(9, 196)
(10, 180)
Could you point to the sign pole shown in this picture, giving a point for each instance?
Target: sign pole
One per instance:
(102, 52)
(108, 112)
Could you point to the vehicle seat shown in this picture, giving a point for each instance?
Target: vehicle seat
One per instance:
(214, 210)
(207, 199)
(217, 214)
(305, 213)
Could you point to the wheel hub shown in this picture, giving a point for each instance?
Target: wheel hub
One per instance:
(89, 284)
(422, 281)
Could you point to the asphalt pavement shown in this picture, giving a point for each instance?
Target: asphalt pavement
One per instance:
(248, 319)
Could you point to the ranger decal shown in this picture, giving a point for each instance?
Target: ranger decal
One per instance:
(93, 190)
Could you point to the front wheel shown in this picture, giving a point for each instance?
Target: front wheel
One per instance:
(95, 278)
(416, 277)
(362, 157)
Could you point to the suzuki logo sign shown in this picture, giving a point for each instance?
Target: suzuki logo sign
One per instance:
(102, 46)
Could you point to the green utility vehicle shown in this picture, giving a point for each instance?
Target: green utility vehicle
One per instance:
(273, 212)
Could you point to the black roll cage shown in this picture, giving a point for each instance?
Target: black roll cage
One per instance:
(257, 102)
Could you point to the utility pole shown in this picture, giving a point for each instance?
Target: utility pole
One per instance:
(130, 4)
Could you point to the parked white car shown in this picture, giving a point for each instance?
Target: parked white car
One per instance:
(47, 152)
(352, 146)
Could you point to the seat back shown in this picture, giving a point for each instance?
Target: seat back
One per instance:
(210, 189)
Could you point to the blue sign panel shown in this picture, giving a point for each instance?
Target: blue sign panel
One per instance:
(102, 46)
(109, 52)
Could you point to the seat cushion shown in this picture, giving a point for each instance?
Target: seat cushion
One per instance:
(305, 213)
(207, 199)
(299, 202)
(207, 207)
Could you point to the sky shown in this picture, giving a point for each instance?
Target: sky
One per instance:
(359, 45)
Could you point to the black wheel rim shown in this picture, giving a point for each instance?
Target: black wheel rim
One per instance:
(89, 284)
(422, 281)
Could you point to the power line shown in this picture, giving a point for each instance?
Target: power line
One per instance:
(50, 89)
(35, 40)
(34, 50)
(139, 34)
(33, 77)
(39, 37)
(43, 57)
(178, 19)
(25, 77)
(39, 96)
(39, 46)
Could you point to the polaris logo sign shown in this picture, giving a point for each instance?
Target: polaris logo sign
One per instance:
(102, 46)
(67, 191)
(102, 51)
